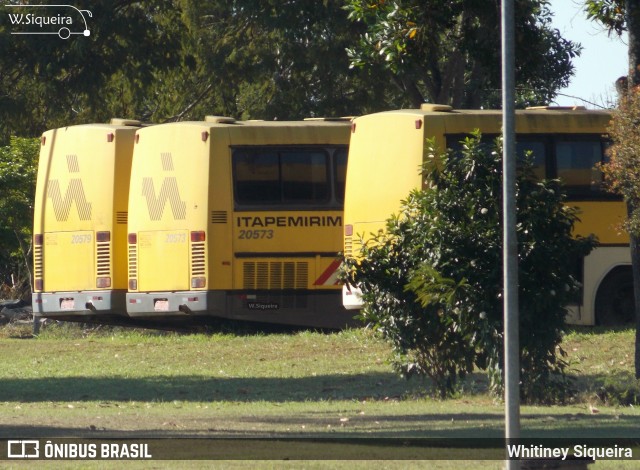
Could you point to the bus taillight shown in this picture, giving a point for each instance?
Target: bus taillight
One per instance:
(133, 284)
(199, 236)
(103, 282)
(102, 237)
(132, 238)
(198, 282)
(38, 239)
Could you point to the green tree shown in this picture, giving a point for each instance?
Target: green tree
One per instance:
(269, 60)
(448, 52)
(619, 16)
(611, 13)
(173, 60)
(432, 282)
(50, 82)
(18, 169)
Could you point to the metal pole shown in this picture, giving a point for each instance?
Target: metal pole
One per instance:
(510, 242)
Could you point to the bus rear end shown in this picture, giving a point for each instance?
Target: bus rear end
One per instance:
(168, 208)
(80, 220)
(240, 220)
(288, 199)
(385, 156)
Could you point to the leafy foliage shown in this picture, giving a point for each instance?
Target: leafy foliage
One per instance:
(432, 281)
(269, 60)
(622, 171)
(608, 12)
(174, 60)
(619, 16)
(18, 169)
(49, 82)
(448, 52)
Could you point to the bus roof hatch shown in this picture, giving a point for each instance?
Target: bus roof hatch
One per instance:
(431, 107)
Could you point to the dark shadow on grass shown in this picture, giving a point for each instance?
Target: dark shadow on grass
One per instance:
(207, 389)
(198, 388)
(201, 388)
(613, 389)
(415, 427)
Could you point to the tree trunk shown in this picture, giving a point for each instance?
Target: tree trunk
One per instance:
(632, 18)
(408, 86)
(634, 246)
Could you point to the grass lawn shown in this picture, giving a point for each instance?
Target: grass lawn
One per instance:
(119, 383)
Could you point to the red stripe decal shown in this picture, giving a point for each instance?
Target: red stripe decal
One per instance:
(327, 273)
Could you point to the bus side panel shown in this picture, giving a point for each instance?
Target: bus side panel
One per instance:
(44, 162)
(220, 238)
(387, 167)
(376, 137)
(124, 141)
(604, 218)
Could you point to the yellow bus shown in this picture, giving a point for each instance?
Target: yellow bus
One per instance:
(387, 149)
(80, 220)
(238, 219)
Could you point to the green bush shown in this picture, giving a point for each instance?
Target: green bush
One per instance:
(619, 390)
(18, 169)
(432, 282)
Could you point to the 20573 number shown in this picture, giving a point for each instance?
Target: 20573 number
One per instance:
(175, 238)
(255, 234)
(78, 239)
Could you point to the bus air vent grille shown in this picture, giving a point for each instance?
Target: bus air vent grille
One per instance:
(348, 246)
(133, 261)
(103, 257)
(37, 262)
(218, 217)
(275, 275)
(198, 259)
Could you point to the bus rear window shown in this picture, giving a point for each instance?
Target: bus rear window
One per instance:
(257, 177)
(286, 177)
(304, 177)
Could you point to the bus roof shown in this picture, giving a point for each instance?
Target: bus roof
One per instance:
(445, 120)
(227, 123)
(442, 110)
